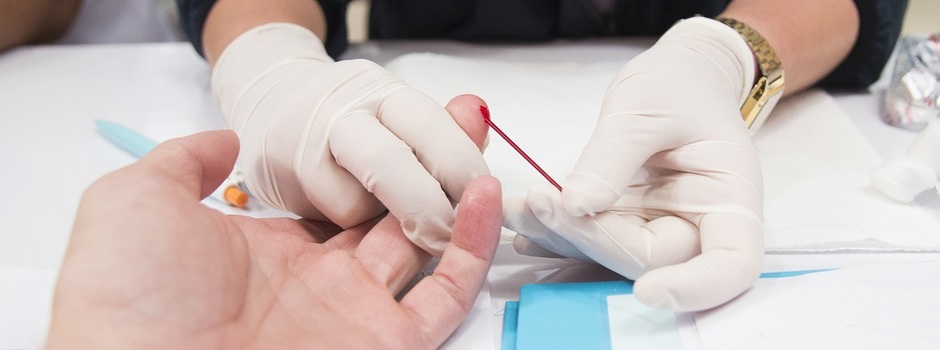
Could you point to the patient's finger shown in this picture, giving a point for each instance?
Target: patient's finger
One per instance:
(389, 255)
(465, 109)
(440, 302)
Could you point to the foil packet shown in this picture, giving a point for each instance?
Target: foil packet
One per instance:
(913, 93)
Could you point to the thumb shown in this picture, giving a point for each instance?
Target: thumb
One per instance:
(198, 163)
(533, 237)
(731, 260)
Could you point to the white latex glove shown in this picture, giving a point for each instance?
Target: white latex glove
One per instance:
(341, 141)
(668, 190)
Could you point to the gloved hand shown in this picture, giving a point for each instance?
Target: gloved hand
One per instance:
(668, 190)
(341, 141)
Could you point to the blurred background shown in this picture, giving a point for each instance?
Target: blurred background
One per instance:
(923, 17)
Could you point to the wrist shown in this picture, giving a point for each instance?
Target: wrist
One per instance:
(227, 19)
(769, 81)
(257, 53)
(733, 54)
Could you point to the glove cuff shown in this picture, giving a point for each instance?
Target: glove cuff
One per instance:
(256, 53)
(738, 59)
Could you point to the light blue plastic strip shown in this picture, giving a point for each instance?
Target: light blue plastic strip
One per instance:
(129, 140)
(571, 315)
(790, 273)
(510, 324)
(566, 315)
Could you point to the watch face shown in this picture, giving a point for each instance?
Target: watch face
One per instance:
(769, 86)
(764, 112)
(755, 100)
(761, 101)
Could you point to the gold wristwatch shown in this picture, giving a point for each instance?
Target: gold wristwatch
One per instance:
(769, 86)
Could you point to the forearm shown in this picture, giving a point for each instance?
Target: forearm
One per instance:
(811, 37)
(34, 21)
(230, 18)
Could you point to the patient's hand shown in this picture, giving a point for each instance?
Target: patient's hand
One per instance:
(148, 266)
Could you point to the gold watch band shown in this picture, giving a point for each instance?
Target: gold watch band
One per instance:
(769, 86)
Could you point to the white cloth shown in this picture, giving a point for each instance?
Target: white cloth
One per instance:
(26, 301)
(816, 164)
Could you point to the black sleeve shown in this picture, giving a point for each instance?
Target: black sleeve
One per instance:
(193, 15)
(880, 26)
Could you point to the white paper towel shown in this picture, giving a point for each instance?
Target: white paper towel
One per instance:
(891, 306)
(815, 162)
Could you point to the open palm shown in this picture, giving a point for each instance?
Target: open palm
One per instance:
(150, 266)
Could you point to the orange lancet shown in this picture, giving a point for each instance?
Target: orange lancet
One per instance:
(235, 196)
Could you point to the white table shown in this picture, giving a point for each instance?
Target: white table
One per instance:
(50, 97)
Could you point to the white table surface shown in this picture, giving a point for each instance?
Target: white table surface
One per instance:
(50, 96)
